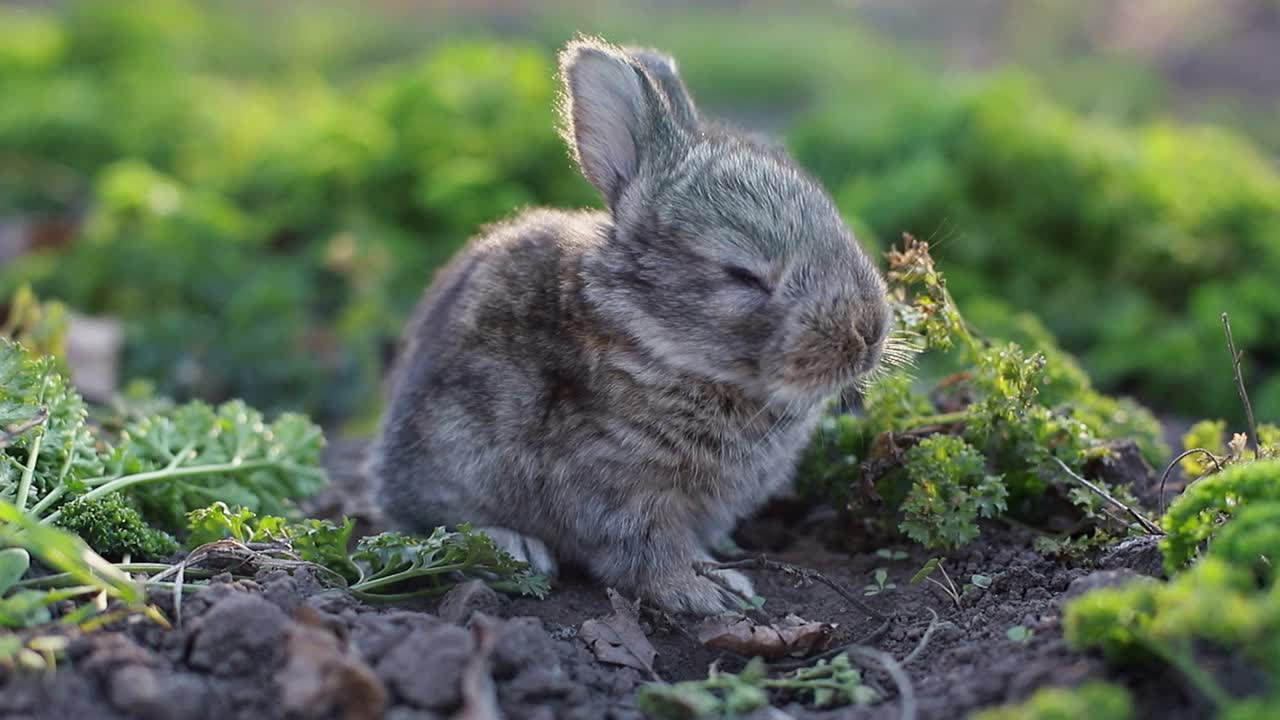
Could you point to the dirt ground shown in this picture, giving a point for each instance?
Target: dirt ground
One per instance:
(282, 646)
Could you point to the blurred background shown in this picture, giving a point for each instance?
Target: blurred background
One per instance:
(249, 196)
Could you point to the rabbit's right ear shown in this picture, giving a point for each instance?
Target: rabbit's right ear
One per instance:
(662, 68)
(615, 118)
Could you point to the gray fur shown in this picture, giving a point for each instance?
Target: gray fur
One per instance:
(614, 389)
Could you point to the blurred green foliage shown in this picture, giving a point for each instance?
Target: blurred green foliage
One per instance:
(1094, 699)
(263, 215)
(260, 241)
(1129, 243)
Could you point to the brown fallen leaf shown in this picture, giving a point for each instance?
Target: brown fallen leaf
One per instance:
(793, 637)
(618, 639)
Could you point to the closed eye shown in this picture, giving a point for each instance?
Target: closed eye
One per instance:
(745, 277)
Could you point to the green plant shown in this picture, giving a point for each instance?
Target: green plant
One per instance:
(1197, 514)
(879, 585)
(826, 684)
(90, 574)
(1020, 634)
(947, 585)
(950, 490)
(1095, 700)
(389, 566)
(1226, 600)
(120, 492)
(985, 442)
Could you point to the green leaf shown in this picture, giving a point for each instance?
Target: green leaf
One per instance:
(64, 552)
(1019, 634)
(14, 563)
(395, 565)
(925, 571)
(982, 581)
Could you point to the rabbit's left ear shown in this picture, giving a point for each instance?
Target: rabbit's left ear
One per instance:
(662, 68)
(616, 117)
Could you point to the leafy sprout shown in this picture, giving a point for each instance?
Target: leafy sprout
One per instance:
(826, 684)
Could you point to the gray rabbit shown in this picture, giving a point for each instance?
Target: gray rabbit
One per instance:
(615, 389)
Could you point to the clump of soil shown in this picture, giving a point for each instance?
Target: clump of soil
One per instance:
(283, 646)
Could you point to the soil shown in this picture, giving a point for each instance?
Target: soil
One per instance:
(282, 646)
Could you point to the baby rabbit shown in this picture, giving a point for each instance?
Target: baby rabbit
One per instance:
(615, 389)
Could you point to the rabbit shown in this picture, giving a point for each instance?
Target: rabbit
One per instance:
(614, 389)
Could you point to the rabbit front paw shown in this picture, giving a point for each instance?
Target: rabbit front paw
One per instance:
(693, 593)
(524, 548)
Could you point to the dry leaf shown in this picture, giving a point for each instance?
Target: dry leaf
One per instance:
(794, 636)
(618, 639)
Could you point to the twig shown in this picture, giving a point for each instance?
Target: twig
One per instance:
(924, 640)
(896, 673)
(1146, 524)
(1244, 395)
(804, 573)
(1173, 463)
(9, 433)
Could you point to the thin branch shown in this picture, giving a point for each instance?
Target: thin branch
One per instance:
(1174, 462)
(9, 433)
(924, 640)
(1146, 524)
(1244, 395)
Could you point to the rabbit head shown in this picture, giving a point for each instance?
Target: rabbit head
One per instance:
(725, 260)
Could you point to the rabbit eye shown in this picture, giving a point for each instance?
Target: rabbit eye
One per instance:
(744, 276)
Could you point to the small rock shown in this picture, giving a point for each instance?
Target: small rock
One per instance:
(470, 597)
(1096, 580)
(238, 635)
(426, 667)
(1140, 554)
(1123, 466)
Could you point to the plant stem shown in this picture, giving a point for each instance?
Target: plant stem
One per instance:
(24, 485)
(67, 579)
(407, 575)
(1150, 527)
(113, 484)
(1244, 395)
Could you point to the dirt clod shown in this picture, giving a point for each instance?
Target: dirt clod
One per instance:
(470, 597)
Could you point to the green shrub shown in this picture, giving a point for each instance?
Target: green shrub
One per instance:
(1198, 513)
(985, 442)
(950, 490)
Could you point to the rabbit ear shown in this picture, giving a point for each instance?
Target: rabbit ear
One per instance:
(662, 68)
(615, 117)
